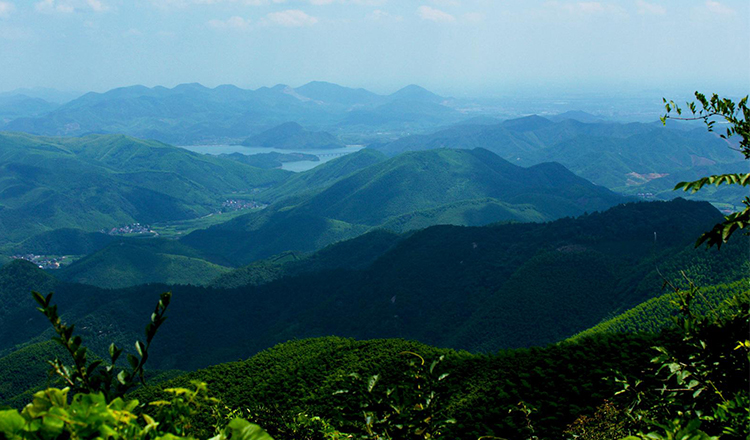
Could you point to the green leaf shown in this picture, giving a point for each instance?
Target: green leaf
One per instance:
(240, 429)
(133, 361)
(140, 348)
(11, 423)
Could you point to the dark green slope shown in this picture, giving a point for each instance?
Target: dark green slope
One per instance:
(65, 241)
(451, 186)
(19, 319)
(447, 286)
(356, 253)
(560, 382)
(133, 262)
(99, 182)
(27, 370)
(604, 153)
(465, 212)
(438, 285)
(658, 313)
(290, 136)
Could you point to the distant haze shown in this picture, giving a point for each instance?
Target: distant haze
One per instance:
(453, 47)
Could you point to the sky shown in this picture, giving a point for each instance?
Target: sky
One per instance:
(453, 47)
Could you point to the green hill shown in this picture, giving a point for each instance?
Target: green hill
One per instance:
(100, 181)
(27, 370)
(452, 186)
(356, 253)
(480, 392)
(64, 241)
(608, 154)
(657, 313)
(292, 136)
(133, 262)
(321, 176)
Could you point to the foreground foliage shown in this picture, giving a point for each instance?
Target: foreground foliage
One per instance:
(97, 407)
(737, 118)
(53, 415)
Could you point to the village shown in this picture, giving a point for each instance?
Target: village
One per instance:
(238, 205)
(134, 228)
(45, 262)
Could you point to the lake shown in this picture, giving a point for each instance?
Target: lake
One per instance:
(324, 155)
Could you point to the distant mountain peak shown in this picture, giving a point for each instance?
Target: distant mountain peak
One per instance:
(190, 86)
(527, 123)
(413, 92)
(287, 127)
(333, 93)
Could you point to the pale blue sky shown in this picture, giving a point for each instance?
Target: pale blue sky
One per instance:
(454, 47)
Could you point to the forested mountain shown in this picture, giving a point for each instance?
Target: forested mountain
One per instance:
(321, 176)
(291, 135)
(132, 262)
(609, 154)
(437, 285)
(106, 181)
(448, 286)
(192, 113)
(409, 191)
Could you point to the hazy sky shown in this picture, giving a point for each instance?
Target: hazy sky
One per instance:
(458, 47)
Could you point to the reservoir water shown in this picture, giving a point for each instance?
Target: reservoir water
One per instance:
(323, 155)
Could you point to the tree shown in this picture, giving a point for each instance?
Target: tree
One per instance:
(737, 117)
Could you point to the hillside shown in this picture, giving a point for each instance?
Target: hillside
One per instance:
(98, 181)
(608, 154)
(658, 313)
(321, 176)
(307, 376)
(133, 262)
(437, 286)
(292, 136)
(66, 241)
(356, 253)
(467, 187)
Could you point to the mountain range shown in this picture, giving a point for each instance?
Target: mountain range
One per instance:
(411, 191)
(618, 156)
(192, 113)
(476, 288)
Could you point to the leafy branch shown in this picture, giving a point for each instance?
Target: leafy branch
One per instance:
(737, 116)
(94, 376)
